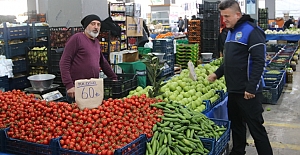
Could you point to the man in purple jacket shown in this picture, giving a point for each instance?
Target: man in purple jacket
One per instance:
(82, 57)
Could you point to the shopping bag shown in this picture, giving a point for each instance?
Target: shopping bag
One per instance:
(89, 93)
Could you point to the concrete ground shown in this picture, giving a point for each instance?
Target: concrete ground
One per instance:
(282, 122)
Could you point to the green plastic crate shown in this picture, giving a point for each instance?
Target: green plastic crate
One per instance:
(144, 50)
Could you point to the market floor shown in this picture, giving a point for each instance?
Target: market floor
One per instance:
(282, 122)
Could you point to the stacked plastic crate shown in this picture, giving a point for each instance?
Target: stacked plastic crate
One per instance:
(210, 28)
(186, 53)
(37, 53)
(13, 44)
(165, 46)
(263, 18)
(194, 33)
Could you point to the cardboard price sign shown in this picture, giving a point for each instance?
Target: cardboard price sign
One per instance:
(192, 73)
(89, 93)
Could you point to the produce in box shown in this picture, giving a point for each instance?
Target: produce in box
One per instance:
(112, 125)
(184, 90)
(180, 131)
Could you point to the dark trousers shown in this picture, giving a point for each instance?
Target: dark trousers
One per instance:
(242, 112)
(180, 30)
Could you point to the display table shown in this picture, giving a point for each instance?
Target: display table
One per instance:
(219, 111)
(288, 37)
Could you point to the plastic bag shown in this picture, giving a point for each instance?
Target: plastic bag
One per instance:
(149, 44)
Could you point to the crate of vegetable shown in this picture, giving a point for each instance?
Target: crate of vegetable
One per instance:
(136, 147)
(117, 125)
(23, 147)
(182, 131)
(223, 127)
(271, 94)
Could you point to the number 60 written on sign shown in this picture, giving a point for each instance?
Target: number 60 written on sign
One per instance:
(88, 93)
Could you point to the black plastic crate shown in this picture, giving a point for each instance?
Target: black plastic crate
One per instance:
(211, 25)
(57, 79)
(33, 70)
(4, 84)
(19, 65)
(210, 34)
(54, 69)
(121, 87)
(209, 44)
(55, 56)
(214, 16)
(59, 36)
(211, 6)
(38, 57)
(19, 82)
(200, 8)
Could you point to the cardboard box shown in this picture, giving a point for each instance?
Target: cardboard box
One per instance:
(134, 26)
(122, 56)
(130, 56)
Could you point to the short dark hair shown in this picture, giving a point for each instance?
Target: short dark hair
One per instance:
(225, 4)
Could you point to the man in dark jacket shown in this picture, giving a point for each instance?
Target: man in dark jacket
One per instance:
(244, 62)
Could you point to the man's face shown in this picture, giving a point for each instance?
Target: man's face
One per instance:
(93, 28)
(230, 17)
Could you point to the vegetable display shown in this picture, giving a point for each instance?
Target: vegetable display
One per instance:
(112, 125)
(180, 131)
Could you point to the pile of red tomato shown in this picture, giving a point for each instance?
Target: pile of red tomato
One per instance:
(112, 125)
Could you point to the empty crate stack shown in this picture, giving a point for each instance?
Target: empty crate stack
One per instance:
(263, 16)
(165, 46)
(186, 53)
(194, 32)
(13, 44)
(210, 28)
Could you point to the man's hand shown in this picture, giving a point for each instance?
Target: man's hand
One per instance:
(212, 77)
(248, 95)
(71, 92)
